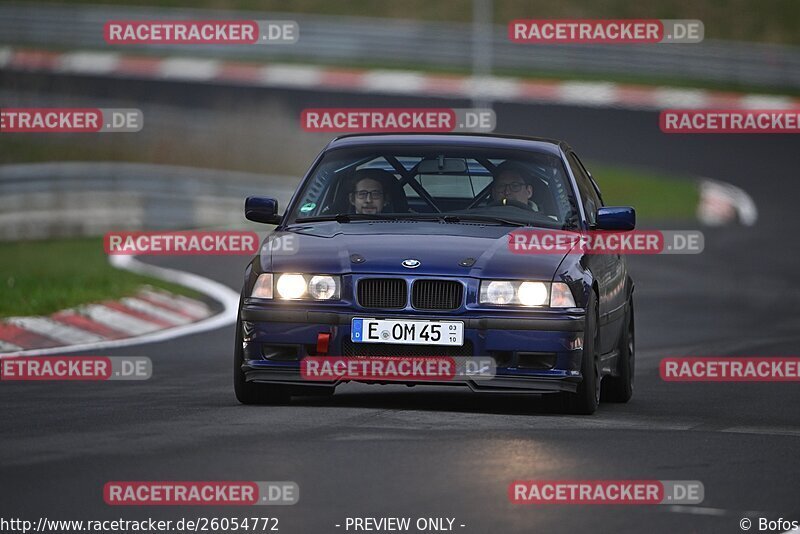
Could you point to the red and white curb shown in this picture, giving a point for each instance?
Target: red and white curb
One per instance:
(147, 312)
(497, 88)
(722, 203)
(149, 316)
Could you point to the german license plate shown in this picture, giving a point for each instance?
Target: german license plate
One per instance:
(365, 330)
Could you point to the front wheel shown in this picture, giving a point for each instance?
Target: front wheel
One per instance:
(252, 392)
(587, 397)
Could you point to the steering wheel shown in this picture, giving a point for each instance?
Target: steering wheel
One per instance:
(509, 202)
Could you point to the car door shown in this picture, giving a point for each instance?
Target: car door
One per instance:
(608, 269)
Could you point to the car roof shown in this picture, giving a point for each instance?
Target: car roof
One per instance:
(539, 144)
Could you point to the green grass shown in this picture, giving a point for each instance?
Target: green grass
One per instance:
(656, 196)
(43, 277)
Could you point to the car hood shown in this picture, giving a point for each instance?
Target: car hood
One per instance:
(446, 249)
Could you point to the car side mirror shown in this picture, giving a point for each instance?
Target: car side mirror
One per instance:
(262, 210)
(616, 218)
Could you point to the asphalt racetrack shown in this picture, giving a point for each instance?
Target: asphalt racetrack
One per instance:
(392, 451)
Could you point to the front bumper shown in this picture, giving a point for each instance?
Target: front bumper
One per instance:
(534, 352)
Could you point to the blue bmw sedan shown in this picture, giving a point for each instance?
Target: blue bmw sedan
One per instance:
(398, 245)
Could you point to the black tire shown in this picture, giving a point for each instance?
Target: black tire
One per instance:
(585, 400)
(620, 388)
(252, 392)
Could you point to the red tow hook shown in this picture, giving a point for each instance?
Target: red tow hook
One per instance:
(322, 343)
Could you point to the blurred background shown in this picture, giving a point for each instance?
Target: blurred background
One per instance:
(222, 122)
(212, 107)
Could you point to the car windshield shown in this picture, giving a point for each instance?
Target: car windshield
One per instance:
(454, 184)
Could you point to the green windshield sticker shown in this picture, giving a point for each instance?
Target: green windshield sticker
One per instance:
(308, 207)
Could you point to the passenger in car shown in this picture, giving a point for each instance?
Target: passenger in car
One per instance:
(513, 182)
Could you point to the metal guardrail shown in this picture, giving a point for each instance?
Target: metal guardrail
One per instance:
(405, 43)
(68, 199)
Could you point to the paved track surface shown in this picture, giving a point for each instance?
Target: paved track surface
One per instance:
(395, 451)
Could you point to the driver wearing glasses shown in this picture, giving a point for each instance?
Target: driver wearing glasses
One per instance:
(368, 194)
(513, 185)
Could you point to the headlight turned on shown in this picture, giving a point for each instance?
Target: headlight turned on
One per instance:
(526, 293)
(297, 286)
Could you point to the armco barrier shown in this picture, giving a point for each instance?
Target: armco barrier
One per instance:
(407, 43)
(70, 199)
